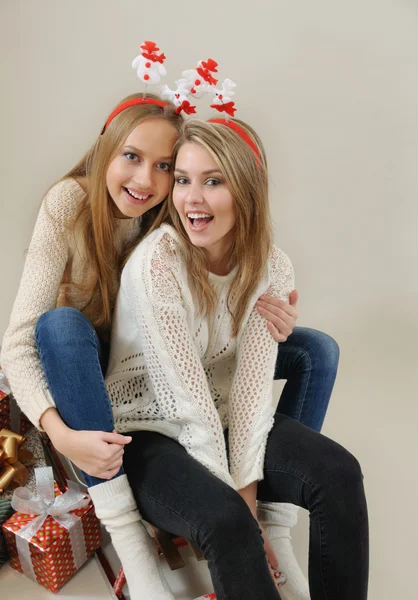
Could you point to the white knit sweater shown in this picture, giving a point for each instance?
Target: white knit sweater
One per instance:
(179, 373)
(55, 255)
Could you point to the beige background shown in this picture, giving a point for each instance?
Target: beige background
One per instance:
(332, 88)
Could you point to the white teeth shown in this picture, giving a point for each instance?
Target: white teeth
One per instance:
(198, 215)
(136, 196)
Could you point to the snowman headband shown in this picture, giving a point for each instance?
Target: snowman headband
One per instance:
(194, 83)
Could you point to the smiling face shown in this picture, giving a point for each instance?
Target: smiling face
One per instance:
(139, 177)
(204, 203)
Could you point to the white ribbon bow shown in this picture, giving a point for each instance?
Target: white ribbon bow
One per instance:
(45, 503)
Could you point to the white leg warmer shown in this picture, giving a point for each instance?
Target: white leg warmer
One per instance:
(277, 520)
(116, 507)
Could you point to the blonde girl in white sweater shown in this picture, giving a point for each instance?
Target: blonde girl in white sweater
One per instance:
(87, 222)
(190, 380)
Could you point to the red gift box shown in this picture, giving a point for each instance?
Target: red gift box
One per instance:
(4, 410)
(54, 553)
(11, 417)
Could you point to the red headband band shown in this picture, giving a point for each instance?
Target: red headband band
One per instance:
(240, 132)
(128, 104)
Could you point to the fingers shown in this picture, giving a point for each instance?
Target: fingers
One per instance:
(271, 555)
(277, 321)
(116, 438)
(276, 335)
(279, 577)
(112, 452)
(115, 465)
(108, 474)
(293, 298)
(277, 306)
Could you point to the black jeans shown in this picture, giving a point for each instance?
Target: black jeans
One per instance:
(178, 494)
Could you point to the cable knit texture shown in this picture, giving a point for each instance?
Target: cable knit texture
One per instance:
(177, 372)
(55, 256)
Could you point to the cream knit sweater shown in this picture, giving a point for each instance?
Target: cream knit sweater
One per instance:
(55, 255)
(179, 373)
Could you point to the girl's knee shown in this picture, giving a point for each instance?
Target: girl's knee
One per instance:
(342, 468)
(60, 322)
(320, 347)
(231, 523)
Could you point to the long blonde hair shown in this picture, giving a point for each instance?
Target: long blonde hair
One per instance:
(95, 220)
(246, 177)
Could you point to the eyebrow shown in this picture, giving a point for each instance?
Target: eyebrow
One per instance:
(138, 151)
(209, 172)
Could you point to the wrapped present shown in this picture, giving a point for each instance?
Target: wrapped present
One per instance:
(34, 445)
(52, 534)
(5, 511)
(12, 470)
(11, 417)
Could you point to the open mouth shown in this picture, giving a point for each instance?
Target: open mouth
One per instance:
(199, 221)
(136, 196)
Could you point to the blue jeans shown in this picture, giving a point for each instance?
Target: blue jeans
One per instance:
(309, 362)
(178, 494)
(75, 362)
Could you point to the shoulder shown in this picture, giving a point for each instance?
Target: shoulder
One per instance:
(62, 199)
(155, 268)
(161, 249)
(280, 268)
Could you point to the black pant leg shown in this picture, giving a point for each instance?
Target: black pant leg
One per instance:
(308, 469)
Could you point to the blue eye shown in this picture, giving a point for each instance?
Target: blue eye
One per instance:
(164, 166)
(181, 180)
(130, 156)
(213, 182)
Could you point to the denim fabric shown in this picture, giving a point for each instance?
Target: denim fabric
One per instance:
(176, 493)
(303, 467)
(74, 365)
(309, 362)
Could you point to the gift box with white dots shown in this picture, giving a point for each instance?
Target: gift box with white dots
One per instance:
(53, 549)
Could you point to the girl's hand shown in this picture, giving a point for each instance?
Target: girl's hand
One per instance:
(97, 453)
(278, 577)
(281, 316)
(270, 553)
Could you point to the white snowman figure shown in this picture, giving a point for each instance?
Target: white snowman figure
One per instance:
(222, 99)
(149, 64)
(201, 79)
(180, 96)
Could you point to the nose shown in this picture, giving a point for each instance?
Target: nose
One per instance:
(143, 176)
(194, 193)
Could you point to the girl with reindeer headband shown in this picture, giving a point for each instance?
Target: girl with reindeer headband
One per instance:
(190, 379)
(87, 222)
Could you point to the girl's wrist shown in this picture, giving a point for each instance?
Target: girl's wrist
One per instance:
(53, 425)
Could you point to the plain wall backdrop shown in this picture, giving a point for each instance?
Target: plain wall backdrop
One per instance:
(332, 89)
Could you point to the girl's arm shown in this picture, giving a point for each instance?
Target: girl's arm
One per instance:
(98, 453)
(251, 408)
(155, 285)
(44, 267)
(281, 316)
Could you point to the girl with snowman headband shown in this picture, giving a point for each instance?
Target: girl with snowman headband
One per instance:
(190, 380)
(87, 223)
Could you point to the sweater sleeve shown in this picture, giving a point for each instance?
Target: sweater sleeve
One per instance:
(43, 272)
(173, 363)
(251, 409)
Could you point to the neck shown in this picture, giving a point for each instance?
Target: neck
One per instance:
(218, 262)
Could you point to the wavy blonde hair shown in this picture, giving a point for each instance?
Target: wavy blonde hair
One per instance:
(246, 177)
(95, 220)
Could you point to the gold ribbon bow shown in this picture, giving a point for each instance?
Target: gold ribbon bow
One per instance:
(12, 471)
